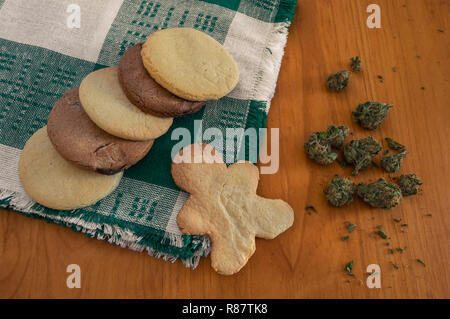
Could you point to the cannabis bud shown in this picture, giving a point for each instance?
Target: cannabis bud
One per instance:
(369, 115)
(359, 153)
(393, 145)
(409, 184)
(339, 191)
(355, 64)
(336, 135)
(319, 149)
(338, 81)
(392, 163)
(318, 146)
(380, 194)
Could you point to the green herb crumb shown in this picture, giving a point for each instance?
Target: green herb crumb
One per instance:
(350, 227)
(349, 268)
(382, 234)
(394, 145)
(310, 207)
(422, 262)
(355, 64)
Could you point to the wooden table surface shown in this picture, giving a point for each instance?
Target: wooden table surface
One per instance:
(308, 260)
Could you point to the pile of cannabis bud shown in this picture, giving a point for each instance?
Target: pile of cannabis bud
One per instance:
(355, 64)
(360, 153)
(321, 147)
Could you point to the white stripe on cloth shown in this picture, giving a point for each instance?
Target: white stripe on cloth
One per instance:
(258, 48)
(9, 176)
(44, 23)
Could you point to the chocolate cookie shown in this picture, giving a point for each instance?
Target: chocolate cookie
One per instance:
(80, 141)
(145, 93)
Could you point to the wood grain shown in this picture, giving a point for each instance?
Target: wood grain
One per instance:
(308, 260)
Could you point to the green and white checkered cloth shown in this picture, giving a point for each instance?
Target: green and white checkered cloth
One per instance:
(41, 58)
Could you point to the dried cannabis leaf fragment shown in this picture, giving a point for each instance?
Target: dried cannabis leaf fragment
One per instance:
(394, 145)
(382, 234)
(349, 268)
(380, 194)
(309, 208)
(318, 146)
(409, 184)
(371, 114)
(339, 191)
(338, 81)
(355, 64)
(359, 153)
(350, 227)
(392, 163)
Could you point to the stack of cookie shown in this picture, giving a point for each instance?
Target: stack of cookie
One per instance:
(108, 123)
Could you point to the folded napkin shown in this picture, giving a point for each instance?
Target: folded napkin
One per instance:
(48, 46)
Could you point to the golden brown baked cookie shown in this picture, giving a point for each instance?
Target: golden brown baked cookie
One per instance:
(80, 141)
(108, 107)
(190, 64)
(54, 182)
(223, 204)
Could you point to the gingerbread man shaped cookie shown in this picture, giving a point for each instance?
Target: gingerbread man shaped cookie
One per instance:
(224, 205)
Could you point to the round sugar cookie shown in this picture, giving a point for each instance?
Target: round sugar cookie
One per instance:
(108, 107)
(190, 64)
(145, 93)
(79, 140)
(54, 182)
